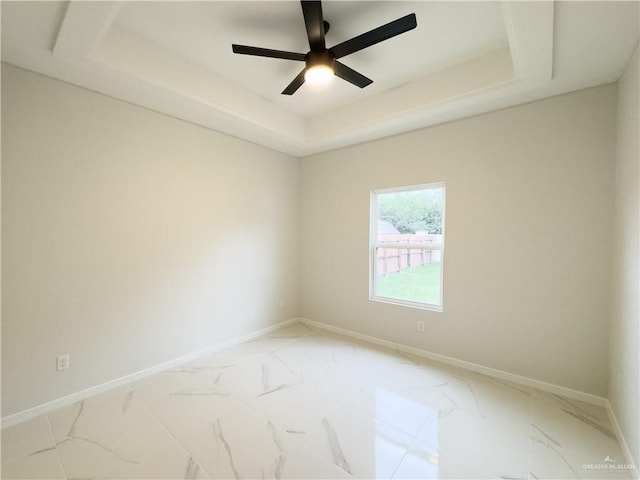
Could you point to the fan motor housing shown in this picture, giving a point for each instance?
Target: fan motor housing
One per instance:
(320, 58)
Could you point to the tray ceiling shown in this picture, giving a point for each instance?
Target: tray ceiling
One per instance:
(463, 58)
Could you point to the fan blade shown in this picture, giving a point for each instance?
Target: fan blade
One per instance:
(295, 84)
(376, 35)
(267, 52)
(314, 22)
(350, 75)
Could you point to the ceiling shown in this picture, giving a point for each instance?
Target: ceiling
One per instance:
(463, 58)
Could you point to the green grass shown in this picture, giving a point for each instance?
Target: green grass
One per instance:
(419, 284)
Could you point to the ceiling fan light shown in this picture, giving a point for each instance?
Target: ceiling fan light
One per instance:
(318, 74)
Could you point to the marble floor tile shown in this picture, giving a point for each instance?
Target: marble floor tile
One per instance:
(400, 409)
(43, 465)
(301, 462)
(184, 402)
(296, 405)
(114, 435)
(29, 451)
(358, 443)
(481, 427)
(238, 443)
(267, 342)
(303, 403)
(572, 439)
(245, 375)
(296, 330)
(424, 461)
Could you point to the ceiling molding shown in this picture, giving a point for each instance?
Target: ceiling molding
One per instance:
(462, 81)
(530, 31)
(84, 24)
(137, 58)
(540, 48)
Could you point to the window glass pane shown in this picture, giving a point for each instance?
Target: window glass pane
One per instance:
(409, 274)
(411, 216)
(408, 245)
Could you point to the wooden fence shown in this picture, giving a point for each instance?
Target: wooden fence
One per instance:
(394, 259)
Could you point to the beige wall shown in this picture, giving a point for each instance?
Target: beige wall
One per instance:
(130, 238)
(528, 247)
(624, 376)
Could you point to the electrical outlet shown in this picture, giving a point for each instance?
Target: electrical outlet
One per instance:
(421, 325)
(62, 362)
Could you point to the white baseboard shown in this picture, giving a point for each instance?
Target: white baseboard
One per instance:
(474, 367)
(629, 460)
(16, 418)
(492, 372)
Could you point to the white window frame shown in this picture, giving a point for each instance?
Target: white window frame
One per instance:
(374, 244)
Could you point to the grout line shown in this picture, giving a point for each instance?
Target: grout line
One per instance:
(53, 437)
(407, 451)
(166, 429)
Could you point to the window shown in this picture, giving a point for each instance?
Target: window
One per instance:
(407, 245)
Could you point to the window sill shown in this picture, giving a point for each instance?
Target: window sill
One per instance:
(406, 303)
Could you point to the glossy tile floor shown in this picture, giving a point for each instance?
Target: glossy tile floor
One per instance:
(306, 404)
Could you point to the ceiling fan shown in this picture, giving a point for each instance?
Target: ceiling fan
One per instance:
(321, 63)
